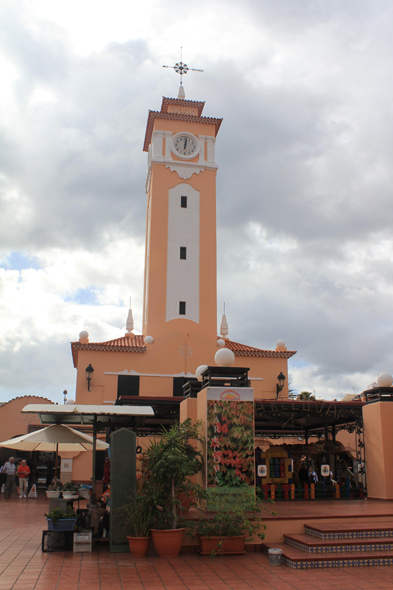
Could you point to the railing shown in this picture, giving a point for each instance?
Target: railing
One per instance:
(312, 491)
(378, 394)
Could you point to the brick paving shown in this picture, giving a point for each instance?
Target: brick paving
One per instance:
(24, 567)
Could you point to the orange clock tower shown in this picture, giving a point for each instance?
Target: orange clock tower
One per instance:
(180, 294)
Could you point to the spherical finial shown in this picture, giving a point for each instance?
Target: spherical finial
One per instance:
(280, 344)
(70, 402)
(199, 371)
(149, 340)
(224, 357)
(220, 343)
(83, 334)
(384, 380)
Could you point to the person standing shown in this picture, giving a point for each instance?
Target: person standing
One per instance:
(9, 470)
(3, 478)
(23, 474)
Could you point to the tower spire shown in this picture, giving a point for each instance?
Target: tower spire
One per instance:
(224, 325)
(130, 321)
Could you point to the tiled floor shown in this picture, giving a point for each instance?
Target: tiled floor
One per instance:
(24, 567)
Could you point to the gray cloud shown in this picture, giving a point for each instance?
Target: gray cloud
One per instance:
(304, 184)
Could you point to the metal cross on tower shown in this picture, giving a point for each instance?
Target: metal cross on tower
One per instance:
(182, 68)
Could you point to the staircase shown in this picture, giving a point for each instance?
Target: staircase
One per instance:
(338, 545)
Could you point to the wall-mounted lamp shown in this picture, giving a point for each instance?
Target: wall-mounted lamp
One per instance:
(89, 374)
(280, 384)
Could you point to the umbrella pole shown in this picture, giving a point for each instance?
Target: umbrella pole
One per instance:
(93, 478)
(56, 459)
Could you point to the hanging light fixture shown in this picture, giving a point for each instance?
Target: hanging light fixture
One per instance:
(280, 384)
(89, 374)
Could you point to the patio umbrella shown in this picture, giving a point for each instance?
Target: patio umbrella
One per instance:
(55, 438)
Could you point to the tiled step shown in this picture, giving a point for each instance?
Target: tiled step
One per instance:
(356, 530)
(315, 545)
(300, 559)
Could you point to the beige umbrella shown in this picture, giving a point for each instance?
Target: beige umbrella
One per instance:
(55, 438)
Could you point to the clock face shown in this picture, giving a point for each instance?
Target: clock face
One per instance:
(185, 146)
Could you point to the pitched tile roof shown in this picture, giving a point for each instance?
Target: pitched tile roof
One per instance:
(124, 344)
(244, 350)
(136, 344)
(39, 397)
(181, 103)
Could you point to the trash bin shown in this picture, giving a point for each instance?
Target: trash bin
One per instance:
(275, 556)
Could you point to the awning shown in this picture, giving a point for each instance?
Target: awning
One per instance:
(88, 414)
(284, 417)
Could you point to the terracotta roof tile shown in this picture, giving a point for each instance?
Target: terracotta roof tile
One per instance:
(245, 350)
(181, 103)
(39, 397)
(124, 344)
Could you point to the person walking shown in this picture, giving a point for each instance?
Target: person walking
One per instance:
(9, 470)
(23, 474)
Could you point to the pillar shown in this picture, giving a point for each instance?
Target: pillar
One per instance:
(378, 439)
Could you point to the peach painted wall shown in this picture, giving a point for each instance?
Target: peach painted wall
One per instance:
(378, 438)
(189, 409)
(13, 422)
(204, 182)
(163, 358)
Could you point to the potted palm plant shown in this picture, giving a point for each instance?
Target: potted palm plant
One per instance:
(137, 517)
(168, 465)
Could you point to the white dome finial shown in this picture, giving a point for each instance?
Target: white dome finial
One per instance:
(224, 325)
(130, 321)
(182, 93)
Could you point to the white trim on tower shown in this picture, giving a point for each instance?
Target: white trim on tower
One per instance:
(182, 282)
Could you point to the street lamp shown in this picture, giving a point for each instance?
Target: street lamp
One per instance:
(89, 374)
(280, 384)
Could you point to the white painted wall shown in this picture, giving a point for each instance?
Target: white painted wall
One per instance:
(183, 275)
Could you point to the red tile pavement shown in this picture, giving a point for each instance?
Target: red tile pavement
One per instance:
(24, 567)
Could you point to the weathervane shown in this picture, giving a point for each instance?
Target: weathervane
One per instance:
(182, 69)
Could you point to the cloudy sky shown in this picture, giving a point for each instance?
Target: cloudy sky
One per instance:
(305, 176)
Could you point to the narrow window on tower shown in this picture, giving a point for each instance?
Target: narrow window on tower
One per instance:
(183, 202)
(182, 308)
(183, 253)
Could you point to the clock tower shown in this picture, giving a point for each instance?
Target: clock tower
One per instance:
(180, 294)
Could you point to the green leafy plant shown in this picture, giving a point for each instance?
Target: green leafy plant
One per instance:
(230, 449)
(56, 486)
(167, 465)
(70, 487)
(137, 516)
(57, 514)
(235, 516)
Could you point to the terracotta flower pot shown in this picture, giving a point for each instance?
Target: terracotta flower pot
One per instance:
(139, 546)
(168, 543)
(229, 546)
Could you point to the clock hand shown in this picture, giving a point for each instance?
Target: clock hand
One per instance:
(185, 143)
